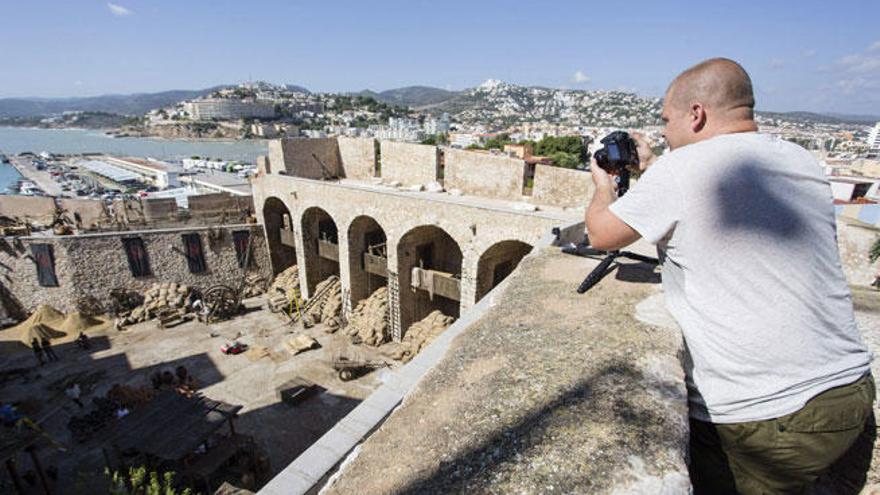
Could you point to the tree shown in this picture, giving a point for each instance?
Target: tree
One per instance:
(564, 160)
(498, 142)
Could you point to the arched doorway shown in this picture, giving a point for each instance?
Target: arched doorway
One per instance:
(367, 257)
(279, 234)
(497, 263)
(320, 246)
(435, 258)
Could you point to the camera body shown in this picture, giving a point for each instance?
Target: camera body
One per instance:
(619, 152)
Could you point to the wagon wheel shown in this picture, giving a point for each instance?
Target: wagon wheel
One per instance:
(221, 302)
(345, 375)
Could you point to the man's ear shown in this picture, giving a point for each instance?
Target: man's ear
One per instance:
(697, 114)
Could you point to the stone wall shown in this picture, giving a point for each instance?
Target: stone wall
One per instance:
(358, 157)
(90, 265)
(219, 204)
(484, 174)
(34, 208)
(474, 227)
(294, 156)
(158, 209)
(561, 187)
(854, 240)
(92, 213)
(409, 164)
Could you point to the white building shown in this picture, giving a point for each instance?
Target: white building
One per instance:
(230, 109)
(462, 139)
(874, 138)
(437, 126)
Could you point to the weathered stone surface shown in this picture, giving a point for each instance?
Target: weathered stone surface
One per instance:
(409, 164)
(854, 240)
(484, 174)
(358, 157)
(549, 392)
(561, 187)
(91, 265)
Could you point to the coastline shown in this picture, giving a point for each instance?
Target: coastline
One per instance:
(105, 133)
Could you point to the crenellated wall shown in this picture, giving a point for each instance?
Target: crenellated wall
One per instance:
(484, 174)
(561, 187)
(409, 164)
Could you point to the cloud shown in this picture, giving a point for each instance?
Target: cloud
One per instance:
(580, 78)
(118, 10)
(809, 53)
(866, 62)
(777, 63)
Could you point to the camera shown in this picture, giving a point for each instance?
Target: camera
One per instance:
(618, 153)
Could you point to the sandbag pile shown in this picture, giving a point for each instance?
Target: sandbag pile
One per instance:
(254, 285)
(327, 307)
(420, 334)
(301, 343)
(158, 297)
(286, 281)
(369, 319)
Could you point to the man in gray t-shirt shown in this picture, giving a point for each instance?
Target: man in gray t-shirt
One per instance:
(745, 226)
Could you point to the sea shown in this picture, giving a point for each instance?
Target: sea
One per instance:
(14, 140)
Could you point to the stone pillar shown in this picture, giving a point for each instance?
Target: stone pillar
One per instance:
(344, 266)
(296, 219)
(468, 279)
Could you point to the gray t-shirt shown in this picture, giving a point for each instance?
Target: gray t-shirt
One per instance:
(745, 227)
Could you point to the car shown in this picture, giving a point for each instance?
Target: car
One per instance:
(234, 347)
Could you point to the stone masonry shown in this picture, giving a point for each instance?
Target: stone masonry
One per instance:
(358, 157)
(90, 265)
(484, 174)
(409, 164)
(562, 187)
(475, 226)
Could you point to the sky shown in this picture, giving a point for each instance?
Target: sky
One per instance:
(810, 55)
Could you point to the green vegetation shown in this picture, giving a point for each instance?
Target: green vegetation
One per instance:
(565, 151)
(436, 139)
(874, 253)
(498, 142)
(370, 104)
(138, 481)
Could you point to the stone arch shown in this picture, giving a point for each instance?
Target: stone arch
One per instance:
(279, 234)
(367, 257)
(497, 262)
(320, 246)
(430, 248)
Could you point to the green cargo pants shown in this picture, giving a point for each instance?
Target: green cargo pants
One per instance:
(832, 436)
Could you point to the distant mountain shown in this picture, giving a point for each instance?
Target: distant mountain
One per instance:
(297, 89)
(411, 96)
(818, 118)
(856, 119)
(133, 104)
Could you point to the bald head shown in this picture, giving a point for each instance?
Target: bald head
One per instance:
(721, 85)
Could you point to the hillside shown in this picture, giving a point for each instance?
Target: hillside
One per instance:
(133, 104)
(499, 102)
(412, 96)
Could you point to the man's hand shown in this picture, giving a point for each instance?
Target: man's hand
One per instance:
(646, 152)
(605, 230)
(602, 179)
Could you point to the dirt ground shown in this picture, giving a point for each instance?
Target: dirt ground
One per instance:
(131, 356)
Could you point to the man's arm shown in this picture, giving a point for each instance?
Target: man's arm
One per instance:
(605, 230)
